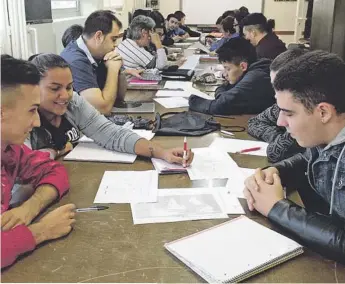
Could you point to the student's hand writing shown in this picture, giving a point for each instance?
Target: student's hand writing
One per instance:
(21, 215)
(251, 184)
(134, 72)
(177, 38)
(175, 155)
(55, 224)
(268, 195)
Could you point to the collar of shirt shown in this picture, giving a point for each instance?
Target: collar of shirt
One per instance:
(81, 44)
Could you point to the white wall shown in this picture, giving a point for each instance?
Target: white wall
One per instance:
(169, 6)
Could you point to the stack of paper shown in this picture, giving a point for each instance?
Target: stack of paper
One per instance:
(176, 102)
(173, 93)
(94, 153)
(237, 145)
(187, 87)
(191, 62)
(147, 134)
(210, 163)
(128, 187)
(163, 167)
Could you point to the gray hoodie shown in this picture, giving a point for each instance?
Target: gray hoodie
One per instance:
(86, 119)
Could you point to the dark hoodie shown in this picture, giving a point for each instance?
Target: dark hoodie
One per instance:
(270, 46)
(252, 94)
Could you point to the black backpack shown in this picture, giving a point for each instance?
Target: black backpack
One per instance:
(184, 124)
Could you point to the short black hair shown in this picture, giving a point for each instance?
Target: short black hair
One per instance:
(228, 13)
(46, 61)
(71, 34)
(16, 72)
(158, 18)
(140, 12)
(180, 15)
(219, 20)
(315, 77)
(101, 20)
(228, 25)
(172, 16)
(237, 50)
(259, 21)
(244, 10)
(285, 57)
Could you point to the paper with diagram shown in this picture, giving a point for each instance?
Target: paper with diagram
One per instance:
(128, 187)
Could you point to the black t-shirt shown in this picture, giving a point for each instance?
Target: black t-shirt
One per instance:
(66, 132)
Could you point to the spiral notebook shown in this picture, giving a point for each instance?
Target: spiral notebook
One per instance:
(236, 250)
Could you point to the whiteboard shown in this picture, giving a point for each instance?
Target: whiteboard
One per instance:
(206, 12)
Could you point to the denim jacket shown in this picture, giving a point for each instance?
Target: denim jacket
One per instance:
(324, 233)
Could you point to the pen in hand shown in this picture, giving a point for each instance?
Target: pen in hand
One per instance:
(184, 152)
(91, 208)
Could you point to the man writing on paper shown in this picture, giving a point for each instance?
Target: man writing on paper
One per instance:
(248, 89)
(20, 98)
(312, 108)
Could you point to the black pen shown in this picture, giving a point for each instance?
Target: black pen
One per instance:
(92, 208)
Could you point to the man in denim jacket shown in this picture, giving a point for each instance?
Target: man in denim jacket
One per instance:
(310, 94)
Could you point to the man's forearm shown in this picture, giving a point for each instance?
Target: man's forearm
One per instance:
(109, 92)
(43, 196)
(147, 149)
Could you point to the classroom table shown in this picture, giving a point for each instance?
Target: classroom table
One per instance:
(105, 246)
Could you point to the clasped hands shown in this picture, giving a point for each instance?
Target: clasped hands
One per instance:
(263, 190)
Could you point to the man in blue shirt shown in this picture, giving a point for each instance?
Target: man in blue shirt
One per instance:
(94, 63)
(173, 29)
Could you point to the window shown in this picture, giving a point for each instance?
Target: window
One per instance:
(116, 4)
(65, 4)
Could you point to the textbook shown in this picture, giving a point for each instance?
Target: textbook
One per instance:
(236, 250)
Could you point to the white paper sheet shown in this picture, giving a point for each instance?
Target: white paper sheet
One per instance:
(182, 44)
(172, 102)
(128, 187)
(94, 153)
(164, 167)
(235, 185)
(230, 201)
(235, 145)
(200, 46)
(210, 163)
(191, 62)
(147, 134)
(180, 204)
(168, 93)
(188, 87)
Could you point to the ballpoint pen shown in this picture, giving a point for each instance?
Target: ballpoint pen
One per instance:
(184, 151)
(227, 133)
(249, 150)
(91, 208)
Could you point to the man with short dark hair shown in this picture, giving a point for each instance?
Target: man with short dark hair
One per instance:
(264, 126)
(310, 96)
(183, 26)
(173, 30)
(94, 63)
(249, 88)
(20, 98)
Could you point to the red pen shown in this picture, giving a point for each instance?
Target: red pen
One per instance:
(249, 150)
(184, 151)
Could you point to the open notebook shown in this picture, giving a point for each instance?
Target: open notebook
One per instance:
(236, 250)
